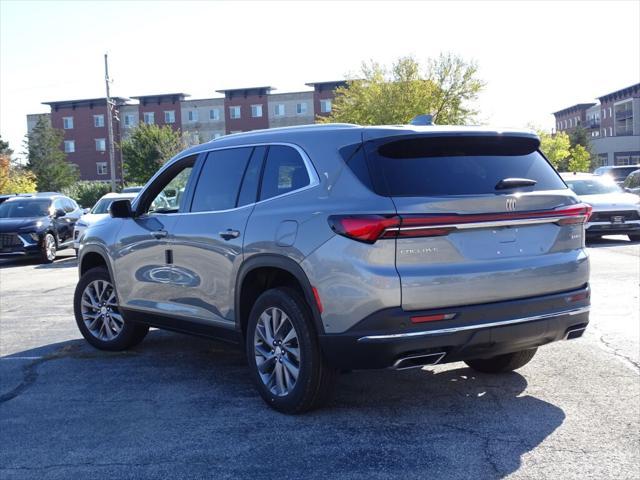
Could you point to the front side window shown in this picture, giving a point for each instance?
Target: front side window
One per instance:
(67, 123)
(284, 172)
(101, 168)
(149, 118)
(69, 146)
(256, 111)
(219, 182)
(166, 193)
(170, 116)
(234, 112)
(101, 144)
(98, 120)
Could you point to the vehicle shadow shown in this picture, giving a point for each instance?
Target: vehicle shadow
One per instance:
(179, 397)
(60, 262)
(67, 262)
(610, 241)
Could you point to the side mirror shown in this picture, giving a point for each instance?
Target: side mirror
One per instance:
(85, 211)
(120, 209)
(59, 213)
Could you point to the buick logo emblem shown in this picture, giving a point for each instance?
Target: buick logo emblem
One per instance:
(511, 204)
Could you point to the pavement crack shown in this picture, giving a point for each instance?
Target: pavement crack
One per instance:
(616, 351)
(30, 370)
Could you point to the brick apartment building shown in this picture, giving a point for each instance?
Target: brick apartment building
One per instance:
(613, 125)
(238, 110)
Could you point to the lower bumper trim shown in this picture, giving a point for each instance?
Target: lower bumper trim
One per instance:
(461, 328)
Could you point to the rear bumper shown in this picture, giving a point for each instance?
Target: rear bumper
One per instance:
(387, 338)
(608, 228)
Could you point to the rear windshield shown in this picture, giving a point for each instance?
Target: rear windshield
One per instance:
(440, 166)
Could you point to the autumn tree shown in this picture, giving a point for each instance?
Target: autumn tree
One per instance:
(445, 87)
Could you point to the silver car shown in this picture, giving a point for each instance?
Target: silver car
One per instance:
(99, 211)
(615, 212)
(334, 247)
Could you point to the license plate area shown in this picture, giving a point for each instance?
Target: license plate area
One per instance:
(617, 219)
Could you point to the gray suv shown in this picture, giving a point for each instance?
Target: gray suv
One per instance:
(327, 248)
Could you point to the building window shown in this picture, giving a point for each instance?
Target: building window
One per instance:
(149, 118)
(69, 146)
(98, 120)
(610, 113)
(67, 123)
(610, 129)
(214, 114)
(256, 111)
(101, 167)
(604, 132)
(170, 116)
(301, 108)
(604, 113)
(325, 105)
(129, 120)
(101, 144)
(278, 110)
(234, 112)
(603, 159)
(192, 115)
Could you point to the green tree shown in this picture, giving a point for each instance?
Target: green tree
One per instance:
(46, 160)
(4, 148)
(147, 149)
(445, 87)
(557, 149)
(15, 179)
(580, 160)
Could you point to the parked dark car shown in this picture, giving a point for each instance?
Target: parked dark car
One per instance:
(12, 195)
(39, 225)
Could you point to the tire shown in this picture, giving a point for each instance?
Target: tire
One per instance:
(502, 363)
(48, 249)
(104, 328)
(315, 380)
(634, 237)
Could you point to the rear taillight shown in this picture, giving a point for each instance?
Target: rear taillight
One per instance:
(370, 228)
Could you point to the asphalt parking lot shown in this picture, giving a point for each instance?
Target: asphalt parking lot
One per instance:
(183, 407)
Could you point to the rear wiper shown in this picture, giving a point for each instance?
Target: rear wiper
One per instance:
(506, 183)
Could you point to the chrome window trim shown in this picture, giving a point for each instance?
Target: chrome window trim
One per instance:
(462, 328)
(314, 178)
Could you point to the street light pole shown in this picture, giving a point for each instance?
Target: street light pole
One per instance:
(110, 107)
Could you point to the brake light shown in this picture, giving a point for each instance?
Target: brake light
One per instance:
(370, 228)
(364, 228)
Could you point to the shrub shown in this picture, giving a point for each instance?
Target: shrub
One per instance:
(87, 193)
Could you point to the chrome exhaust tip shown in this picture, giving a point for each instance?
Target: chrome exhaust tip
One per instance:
(417, 361)
(574, 332)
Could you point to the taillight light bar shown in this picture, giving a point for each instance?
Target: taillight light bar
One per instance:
(370, 228)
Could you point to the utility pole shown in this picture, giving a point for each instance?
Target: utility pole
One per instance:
(110, 108)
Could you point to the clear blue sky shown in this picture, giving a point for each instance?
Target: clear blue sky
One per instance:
(536, 57)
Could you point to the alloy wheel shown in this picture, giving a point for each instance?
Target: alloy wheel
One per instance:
(277, 351)
(50, 247)
(100, 313)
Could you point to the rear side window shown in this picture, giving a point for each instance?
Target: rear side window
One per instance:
(440, 166)
(284, 172)
(220, 178)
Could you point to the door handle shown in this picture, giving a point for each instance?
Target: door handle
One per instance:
(229, 234)
(159, 234)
